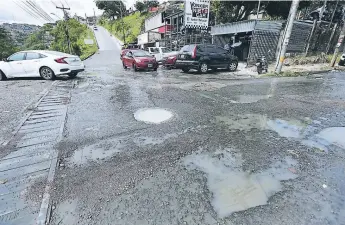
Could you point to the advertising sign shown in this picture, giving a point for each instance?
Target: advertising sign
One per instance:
(197, 13)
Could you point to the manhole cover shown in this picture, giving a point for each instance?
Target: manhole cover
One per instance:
(153, 115)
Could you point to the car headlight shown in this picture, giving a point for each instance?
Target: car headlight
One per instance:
(137, 60)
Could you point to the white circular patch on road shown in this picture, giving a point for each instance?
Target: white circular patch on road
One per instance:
(153, 115)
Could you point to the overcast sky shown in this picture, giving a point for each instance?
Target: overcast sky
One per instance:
(11, 12)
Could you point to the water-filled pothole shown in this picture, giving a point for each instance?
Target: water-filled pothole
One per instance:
(153, 115)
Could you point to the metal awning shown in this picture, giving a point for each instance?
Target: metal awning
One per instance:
(232, 28)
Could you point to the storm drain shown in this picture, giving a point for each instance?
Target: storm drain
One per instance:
(24, 173)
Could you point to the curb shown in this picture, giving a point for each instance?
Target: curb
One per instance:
(44, 214)
(89, 56)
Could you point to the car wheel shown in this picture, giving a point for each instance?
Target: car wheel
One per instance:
(341, 63)
(73, 75)
(186, 70)
(232, 66)
(155, 69)
(47, 73)
(2, 76)
(124, 66)
(135, 67)
(203, 68)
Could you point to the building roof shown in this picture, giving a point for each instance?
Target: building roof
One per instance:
(231, 28)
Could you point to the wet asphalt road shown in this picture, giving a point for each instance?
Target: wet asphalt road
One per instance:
(236, 151)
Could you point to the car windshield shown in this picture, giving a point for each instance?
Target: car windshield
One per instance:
(141, 54)
(165, 50)
(187, 48)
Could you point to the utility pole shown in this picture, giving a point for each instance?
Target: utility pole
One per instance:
(86, 19)
(336, 50)
(94, 17)
(293, 11)
(123, 24)
(66, 27)
(257, 12)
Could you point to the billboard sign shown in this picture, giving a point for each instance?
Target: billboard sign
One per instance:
(196, 13)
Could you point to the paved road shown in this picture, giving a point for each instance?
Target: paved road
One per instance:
(227, 150)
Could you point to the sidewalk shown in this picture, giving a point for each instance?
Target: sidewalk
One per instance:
(289, 71)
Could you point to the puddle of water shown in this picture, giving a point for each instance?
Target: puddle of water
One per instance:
(285, 128)
(329, 136)
(153, 115)
(289, 129)
(334, 135)
(234, 190)
(98, 151)
(249, 98)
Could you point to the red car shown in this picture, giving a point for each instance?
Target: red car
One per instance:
(169, 62)
(139, 59)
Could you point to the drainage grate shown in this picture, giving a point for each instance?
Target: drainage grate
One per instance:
(33, 157)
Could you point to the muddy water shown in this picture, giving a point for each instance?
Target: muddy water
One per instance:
(235, 190)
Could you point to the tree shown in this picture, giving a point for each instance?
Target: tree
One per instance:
(6, 46)
(152, 3)
(140, 6)
(232, 11)
(38, 40)
(112, 9)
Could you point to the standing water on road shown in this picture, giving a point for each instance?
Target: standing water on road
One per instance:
(236, 190)
(154, 115)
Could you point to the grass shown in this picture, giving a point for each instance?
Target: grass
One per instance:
(132, 23)
(87, 50)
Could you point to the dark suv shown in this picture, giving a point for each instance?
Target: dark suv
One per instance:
(204, 57)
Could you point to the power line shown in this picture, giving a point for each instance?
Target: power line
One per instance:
(28, 11)
(41, 10)
(67, 4)
(35, 10)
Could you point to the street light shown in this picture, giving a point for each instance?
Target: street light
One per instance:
(56, 16)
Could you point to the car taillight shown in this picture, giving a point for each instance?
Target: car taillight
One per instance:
(194, 53)
(61, 60)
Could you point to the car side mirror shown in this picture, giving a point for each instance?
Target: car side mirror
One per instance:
(5, 60)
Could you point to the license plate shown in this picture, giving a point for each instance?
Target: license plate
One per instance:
(182, 56)
(149, 65)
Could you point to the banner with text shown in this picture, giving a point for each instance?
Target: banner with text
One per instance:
(196, 13)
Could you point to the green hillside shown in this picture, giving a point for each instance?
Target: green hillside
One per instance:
(132, 25)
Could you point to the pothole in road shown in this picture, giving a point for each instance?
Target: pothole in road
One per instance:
(153, 115)
(236, 190)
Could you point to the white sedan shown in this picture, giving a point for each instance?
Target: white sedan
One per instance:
(37, 63)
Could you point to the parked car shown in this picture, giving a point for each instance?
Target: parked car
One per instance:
(139, 59)
(95, 28)
(161, 52)
(342, 60)
(205, 57)
(37, 63)
(126, 48)
(169, 62)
